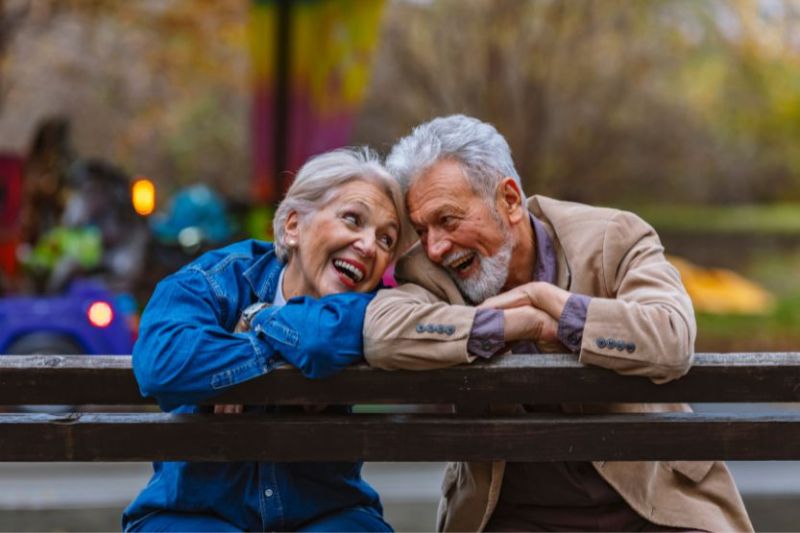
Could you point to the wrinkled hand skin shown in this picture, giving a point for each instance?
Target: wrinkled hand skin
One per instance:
(226, 409)
(532, 311)
(539, 294)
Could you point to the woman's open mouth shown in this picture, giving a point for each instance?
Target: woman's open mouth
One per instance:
(350, 272)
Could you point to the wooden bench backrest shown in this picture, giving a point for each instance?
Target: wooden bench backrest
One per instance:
(135, 436)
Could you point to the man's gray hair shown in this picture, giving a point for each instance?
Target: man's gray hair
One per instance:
(318, 181)
(481, 150)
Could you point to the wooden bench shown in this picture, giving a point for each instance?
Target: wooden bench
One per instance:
(134, 430)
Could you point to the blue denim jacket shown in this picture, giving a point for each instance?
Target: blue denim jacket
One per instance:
(187, 352)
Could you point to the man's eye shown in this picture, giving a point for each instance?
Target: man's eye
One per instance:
(447, 221)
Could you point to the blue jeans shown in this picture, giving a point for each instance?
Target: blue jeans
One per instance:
(350, 519)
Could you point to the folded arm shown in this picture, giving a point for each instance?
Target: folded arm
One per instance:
(642, 324)
(188, 352)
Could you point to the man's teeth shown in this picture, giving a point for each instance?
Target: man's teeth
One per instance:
(461, 262)
(355, 273)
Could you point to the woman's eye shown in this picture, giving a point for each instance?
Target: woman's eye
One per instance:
(351, 218)
(387, 241)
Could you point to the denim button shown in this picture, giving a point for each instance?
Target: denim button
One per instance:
(268, 493)
(486, 345)
(601, 342)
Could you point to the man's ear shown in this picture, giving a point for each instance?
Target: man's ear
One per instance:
(509, 200)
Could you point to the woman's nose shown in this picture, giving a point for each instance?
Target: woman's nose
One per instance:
(366, 244)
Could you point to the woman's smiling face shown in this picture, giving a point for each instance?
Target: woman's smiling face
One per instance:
(345, 245)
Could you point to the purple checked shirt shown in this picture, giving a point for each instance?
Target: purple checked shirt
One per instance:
(486, 336)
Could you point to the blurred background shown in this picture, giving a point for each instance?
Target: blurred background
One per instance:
(135, 135)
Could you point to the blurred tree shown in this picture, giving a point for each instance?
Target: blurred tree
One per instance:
(613, 101)
(12, 15)
(744, 81)
(617, 101)
(161, 87)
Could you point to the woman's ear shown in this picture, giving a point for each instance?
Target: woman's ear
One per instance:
(509, 200)
(291, 229)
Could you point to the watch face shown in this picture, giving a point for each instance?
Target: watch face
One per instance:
(253, 310)
(247, 316)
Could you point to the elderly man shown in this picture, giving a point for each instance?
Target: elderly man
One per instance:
(545, 275)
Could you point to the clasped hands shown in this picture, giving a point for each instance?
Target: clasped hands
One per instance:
(531, 312)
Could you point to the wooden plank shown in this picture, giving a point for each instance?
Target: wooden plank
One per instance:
(158, 436)
(68, 379)
(552, 378)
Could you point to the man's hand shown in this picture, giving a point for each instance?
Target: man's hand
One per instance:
(531, 312)
(529, 323)
(537, 294)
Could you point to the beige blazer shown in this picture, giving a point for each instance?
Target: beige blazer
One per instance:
(638, 300)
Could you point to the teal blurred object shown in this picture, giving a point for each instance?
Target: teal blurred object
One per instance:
(197, 215)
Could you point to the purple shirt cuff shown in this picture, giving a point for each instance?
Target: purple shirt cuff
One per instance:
(572, 321)
(486, 335)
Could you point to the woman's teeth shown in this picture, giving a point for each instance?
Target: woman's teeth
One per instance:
(351, 271)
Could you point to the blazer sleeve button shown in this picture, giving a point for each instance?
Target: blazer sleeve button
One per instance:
(630, 347)
(601, 342)
(420, 328)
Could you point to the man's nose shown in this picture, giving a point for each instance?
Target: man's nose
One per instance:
(436, 247)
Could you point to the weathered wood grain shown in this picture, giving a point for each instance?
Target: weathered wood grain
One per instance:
(158, 436)
(559, 378)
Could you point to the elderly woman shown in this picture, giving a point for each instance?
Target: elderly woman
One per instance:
(336, 231)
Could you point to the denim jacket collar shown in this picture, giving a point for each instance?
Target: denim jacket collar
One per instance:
(263, 276)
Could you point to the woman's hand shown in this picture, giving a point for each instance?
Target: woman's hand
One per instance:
(242, 326)
(228, 409)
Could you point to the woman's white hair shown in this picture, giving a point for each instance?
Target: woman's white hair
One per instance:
(318, 181)
(481, 150)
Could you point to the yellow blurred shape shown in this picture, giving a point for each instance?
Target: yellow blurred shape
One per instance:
(722, 291)
(143, 196)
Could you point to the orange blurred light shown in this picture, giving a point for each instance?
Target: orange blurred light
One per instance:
(100, 314)
(143, 195)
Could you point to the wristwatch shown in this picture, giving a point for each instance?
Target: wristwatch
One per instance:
(248, 314)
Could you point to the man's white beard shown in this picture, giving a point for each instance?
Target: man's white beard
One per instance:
(491, 276)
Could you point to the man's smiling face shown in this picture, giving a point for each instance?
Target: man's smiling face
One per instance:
(460, 231)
